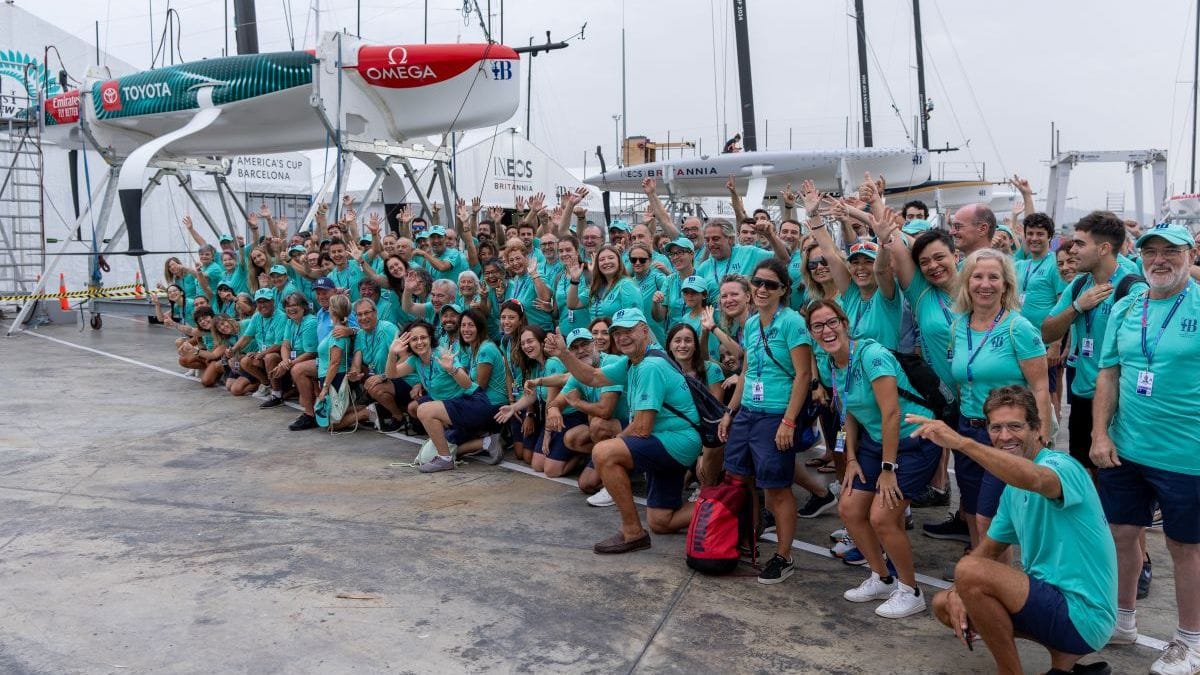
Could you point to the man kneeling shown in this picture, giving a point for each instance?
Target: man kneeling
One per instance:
(1066, 599)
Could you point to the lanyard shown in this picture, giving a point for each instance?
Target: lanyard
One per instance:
(1030, 270)
(841, 402)
(863, 307)
(717, 277)
(520, 287)
(1147, 351)
(426, 382)
(937, 292)
(762, 346)
(471, 352)
(972, 350)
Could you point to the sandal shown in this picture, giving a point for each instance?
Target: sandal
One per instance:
(827, 467)
(816, 462)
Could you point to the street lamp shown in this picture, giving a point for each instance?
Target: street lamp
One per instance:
(617, 137)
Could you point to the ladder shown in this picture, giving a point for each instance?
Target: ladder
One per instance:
(22, 223)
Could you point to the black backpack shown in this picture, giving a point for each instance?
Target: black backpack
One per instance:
(1122, 289)
(931, 392)
(710, 408)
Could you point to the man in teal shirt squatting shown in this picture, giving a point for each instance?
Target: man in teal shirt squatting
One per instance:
(658, 440)
(1065, 599)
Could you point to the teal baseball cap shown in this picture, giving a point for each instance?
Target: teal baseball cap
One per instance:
(265, 294)
(1007, 230)
(620, 225)
(452, 306)
(694, 283)
(437, 231)
(628, 318)
(297, 249)
(681, 242)
(366, 236)
(916, 226)
(278, 269)
(869, 249)
(225, 237)
(577, 335)
(1172, 232)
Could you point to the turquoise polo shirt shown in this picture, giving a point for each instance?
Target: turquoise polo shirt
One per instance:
(932, 309)
(742, 260)
(524, 289)
(323, 350)
(676, 308)
(1040, 286)
(648, 386)
(437, 383)
(649, 284)
(487, 353)
(374, 346)
(570, 319)
(348, 278)
(1168, 411)
(994, 357)
(876, 317)
(268, 331)
(1092, 325)
(1066, 543)
(607, 301)
(301, 337)
(785, 333)
(869, 361)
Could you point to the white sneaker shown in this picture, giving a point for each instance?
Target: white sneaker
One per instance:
(601, 498)
(1123, 636)
(871, 589)
(1178, 659)
(263, 391)
(844, 546)
(903, 602)
(373, 417)
(493, 449)
(837, 534)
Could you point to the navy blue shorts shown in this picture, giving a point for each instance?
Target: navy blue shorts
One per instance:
(664, 475)
(967, 473)
(559, 451)
(1054, 373)
(1128, 494)
(532, 442)
(402, 391)
(750, 449)
(917, 458)
(1045, 619)
(471, 416)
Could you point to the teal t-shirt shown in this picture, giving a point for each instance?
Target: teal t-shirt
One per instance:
(524, 289)
(1066, 543)
(713, 373)
(1168, 410)
(932, 309)
(488, 353)
(607, 301)
(301, 337)
(648, 285)
(570, 319)
(876, 318)
(1088, 329)
(246, 329)
(619, 363)
(388, 306)
(554, 366)
(742, 260)
(323, 355)
(347, 278)
(458, 264)
(269, 331)
(712, 349)
(796, 272)
(214, 272)
(648, 386)
(994, 357)
(437, 383)
(772, 381)
(374, 345)
(1040, 285)
(236, 280)
(869, 361)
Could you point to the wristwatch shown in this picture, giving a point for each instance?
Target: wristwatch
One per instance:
(889, 466)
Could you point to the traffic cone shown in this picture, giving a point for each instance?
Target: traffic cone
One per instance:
(63, 304)
(137, 284)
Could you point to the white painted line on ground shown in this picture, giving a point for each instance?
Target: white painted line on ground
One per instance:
(1143, 640)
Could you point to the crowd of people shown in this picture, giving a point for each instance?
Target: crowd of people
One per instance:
(901, 347)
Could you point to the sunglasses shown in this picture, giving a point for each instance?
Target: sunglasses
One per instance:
(769, 284)
(638, 261)
(817, 262)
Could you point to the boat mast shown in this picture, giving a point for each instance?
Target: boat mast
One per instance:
(864, 85)
(742, 35)
(923, 117)
(1195, 92)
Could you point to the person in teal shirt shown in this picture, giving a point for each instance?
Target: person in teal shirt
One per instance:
(1037, 273)
(576, 314)
(725, 257)
(672, 308)
(441, 261)
(661, 438)
(346, 273)
(650, 283)
(297, 343)
(1052, 511)
(282, 285)
(334, 358)
(928, 277)
(611, 289)
(484, 364)
(1084, 309)
(885, 467)
(991, 345)
(760, 429)
(232, 273)
(265, 330)
(1145, 433)
(375, 337)
(526, 286)
(867, 287)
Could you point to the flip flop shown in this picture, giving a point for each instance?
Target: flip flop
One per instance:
(827, 467)
(616, 544)
(816, 462)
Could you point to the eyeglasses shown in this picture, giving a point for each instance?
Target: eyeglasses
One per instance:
(817, 262)
(677, 251)
(1011, 427)
(638, 261)
(824, 326)
(1170, 252)
(769, 284)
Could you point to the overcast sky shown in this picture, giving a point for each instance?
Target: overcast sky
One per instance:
(1111, 73)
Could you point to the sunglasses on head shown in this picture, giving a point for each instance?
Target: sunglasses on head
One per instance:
(817, 262)
(769, 284)
(638, 261)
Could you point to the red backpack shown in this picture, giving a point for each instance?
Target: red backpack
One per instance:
(720, 520)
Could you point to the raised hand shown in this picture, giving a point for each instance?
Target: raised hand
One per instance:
(731, 185)
(574, 271)
(519, 203)
(554, 344)
(579, 211)
(580, 194)
(446, 359)
(537, 201)
(476, 205)
(347, 200)
(374, 223)
(406, 214)
(322, 208)
(1021, 184)
(649, 185)
(399, 346)
(252, 220)
(707, 319)
(496, 214)
(557, 213)
(532, 268)
(810, 195)
(187, 222)
(789, 197)
(867, 190)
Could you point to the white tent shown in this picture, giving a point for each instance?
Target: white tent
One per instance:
(505, 166)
